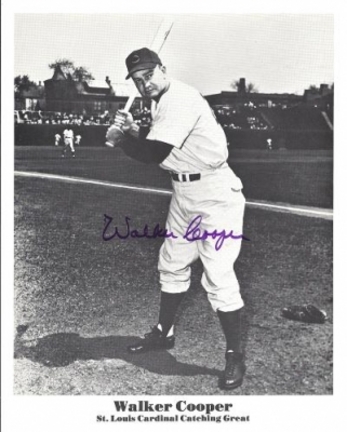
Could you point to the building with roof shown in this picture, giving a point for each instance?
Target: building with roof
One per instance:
(267, 111)
(63, 94)
(241, 97)
(32, 99)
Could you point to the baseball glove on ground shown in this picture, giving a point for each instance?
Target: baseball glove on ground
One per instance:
(306, 313)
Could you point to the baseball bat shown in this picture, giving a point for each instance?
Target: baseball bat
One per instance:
(156, 45)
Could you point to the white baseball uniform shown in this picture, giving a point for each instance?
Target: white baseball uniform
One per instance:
(57, 139)
(78, 139)
(184, 119)
(68, 138)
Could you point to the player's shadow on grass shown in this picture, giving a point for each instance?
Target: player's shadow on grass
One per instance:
(62, 349)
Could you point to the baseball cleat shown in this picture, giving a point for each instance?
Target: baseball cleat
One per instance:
(155, 340)
(234, 371)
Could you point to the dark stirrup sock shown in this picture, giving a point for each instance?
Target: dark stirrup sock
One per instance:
(231, 325)
(169, 304)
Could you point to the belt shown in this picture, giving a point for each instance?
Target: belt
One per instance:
(185, 177)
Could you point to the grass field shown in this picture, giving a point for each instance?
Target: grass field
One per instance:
(84, 299)
(295, 177)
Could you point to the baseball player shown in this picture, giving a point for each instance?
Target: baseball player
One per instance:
(186, 140)
(57, 138)
(78, 139)
(68, 136)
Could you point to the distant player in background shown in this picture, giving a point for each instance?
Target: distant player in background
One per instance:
(68, 142)
(57, 139)
(78, 140)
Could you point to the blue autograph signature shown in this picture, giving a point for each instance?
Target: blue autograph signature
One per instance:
(193, 232)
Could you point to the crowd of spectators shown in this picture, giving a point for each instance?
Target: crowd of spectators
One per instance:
(141, 116)
(241, 117)
(50, 117)
(229, 118)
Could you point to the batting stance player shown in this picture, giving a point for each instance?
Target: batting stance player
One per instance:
(186, 140)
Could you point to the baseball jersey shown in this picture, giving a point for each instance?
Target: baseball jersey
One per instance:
(68, 133)
(184, 119)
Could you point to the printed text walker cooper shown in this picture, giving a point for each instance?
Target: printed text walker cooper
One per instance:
(206, 412)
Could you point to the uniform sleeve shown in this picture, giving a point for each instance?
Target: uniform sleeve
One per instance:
(174, 121)
(144, 150)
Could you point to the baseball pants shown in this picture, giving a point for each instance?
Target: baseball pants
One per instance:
(217, 197)
(69, 143)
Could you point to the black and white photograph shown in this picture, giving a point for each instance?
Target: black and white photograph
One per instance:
(173, 206)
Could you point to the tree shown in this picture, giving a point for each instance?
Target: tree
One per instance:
(77, 73)
(235, 85)
(23, 83)
(250, 87)
(63, 63)
(82, 74)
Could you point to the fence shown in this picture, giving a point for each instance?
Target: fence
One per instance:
(43, 134)
(94, 136)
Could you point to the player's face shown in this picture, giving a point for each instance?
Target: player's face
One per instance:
(151, 83)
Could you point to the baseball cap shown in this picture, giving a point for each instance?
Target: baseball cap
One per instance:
(141, 59)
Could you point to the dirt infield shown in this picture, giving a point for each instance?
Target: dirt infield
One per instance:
(84, 299)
